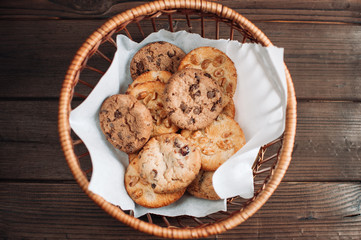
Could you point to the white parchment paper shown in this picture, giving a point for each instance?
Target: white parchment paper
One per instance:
(260, 100)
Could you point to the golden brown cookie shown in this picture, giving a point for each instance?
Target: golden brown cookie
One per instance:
(217, 142)
(142, 193)
(216, 63)
(202, 186)
(192, 99)
(158, 56)
(230, 109)
(126, 122)
(161, 76)
(132, 156)
(169, 163)
(151, 94)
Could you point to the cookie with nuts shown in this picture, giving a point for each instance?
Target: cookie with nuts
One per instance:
(216, 63)
(151, 94)
(202, 186)
(230, 109)
(142, 192)
(192, 99)
(157, 56)
(169, 163)
(217, 142)
(126, 122)
(161, 76)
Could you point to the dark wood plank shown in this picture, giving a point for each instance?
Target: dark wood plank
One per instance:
(36, 161)
(296, 210)
(323, 58)
(260, 10)
(328, 143)
(327, 148)
(29, 121)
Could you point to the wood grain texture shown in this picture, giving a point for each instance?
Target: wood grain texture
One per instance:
(296, 210)
(327, 148)
(324, 59)
(259, 10)
(320, 196)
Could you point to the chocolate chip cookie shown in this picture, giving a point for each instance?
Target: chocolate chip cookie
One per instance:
(157, 56)
(202, 186)
(126, 122)
(142, 192)
(216, 63)
(217, 142)
(169, 163)
(151, 94)
(192, 99)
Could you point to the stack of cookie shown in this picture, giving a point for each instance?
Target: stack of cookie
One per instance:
(175, 122)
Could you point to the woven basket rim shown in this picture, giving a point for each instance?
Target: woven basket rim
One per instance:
(67, 144)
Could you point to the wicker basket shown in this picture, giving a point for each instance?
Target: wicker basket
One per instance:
(211, 20)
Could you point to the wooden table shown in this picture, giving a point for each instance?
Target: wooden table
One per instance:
(320, 196)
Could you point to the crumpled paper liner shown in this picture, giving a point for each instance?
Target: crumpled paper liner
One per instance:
(260, 100)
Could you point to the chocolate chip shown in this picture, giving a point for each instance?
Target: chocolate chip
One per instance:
(150, 58)
(193, 87)
(118, 114)
(154, 173)
(153, 185)
(188, 110)
(197, 110)
(158, 62)
(140, 66)
(108, 135)
(111, 125)
(120, 135)
(176, 143)
(129, 146)
(171, 54)
(183, 107)
(207, 75)
(198, 93)
(211, 94)
(196, 76)
(184, 150)
(171, 112)
(214, 107)
(219, 100)
(192, 120)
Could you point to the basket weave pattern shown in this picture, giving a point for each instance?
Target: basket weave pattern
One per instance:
(211, 20)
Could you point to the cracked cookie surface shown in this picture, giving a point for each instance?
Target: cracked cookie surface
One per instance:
(125, 122)
(202, 186)
(169, 163)
(157, 56)
(216, 63)
(192, 99)
(217, 142)
(142, 192)
(151, 94)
